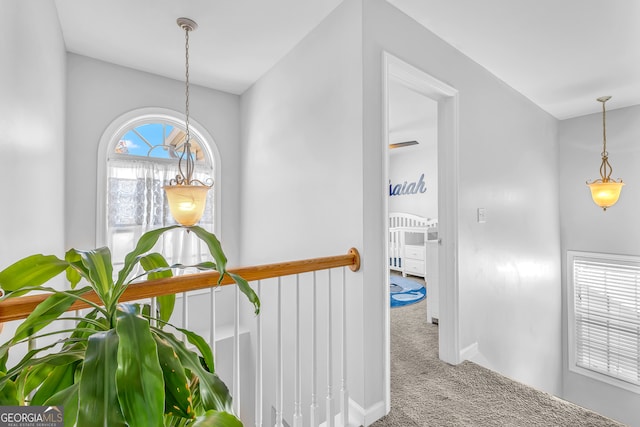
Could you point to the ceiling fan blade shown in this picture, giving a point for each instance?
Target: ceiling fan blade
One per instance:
(403, 144)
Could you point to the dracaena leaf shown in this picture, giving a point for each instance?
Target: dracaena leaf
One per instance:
(153, 263)
(58, 379)
(34, 270)
(8, 392)
(47, 311)
(97, 264)
(29, 361)
(178, 399)
(139, 376)
(89, 325)
(221, 262)
(97, 396)
(31, 378)
(68, 399)
(76, 269)
(213, 392)
(146, 242)
(201, 345)
(215, 249)
(217, 419)
(248, 291)
(158, 267)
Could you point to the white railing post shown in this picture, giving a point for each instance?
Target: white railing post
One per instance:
(185, 315)
(297, 404)
(185, 253)
(314, 370)
(279, 373)
(153, 312)
(236, 352)
(329, 421)
(259, 363)
(344, 394)
(212, 326)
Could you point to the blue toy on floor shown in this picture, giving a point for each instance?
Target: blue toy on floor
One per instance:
(405, 291)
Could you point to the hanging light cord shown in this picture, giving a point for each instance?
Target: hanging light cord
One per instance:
(605, 167)
(187, 150)
(189, 163)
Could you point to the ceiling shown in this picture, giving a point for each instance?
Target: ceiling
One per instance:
(236, 42)
(412, 116)
(561, 55)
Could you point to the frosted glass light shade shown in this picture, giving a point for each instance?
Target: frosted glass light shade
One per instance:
(605, 194)
(186, 202)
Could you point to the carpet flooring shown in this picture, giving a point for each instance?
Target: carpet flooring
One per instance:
(428, 392)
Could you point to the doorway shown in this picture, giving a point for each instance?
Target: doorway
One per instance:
(398, 75)
(413, 199)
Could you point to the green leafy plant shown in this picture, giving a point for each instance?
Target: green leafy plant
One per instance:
(120, 365)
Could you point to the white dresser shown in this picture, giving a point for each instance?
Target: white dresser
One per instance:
(414, 260)
(421, 259)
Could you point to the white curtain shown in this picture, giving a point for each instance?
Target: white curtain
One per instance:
(136, 203)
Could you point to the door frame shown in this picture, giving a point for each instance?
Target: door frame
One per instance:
(447, 98)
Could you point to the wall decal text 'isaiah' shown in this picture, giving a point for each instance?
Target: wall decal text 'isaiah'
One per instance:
(408, 188)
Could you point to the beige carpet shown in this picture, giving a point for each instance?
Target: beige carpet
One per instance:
(428, 392)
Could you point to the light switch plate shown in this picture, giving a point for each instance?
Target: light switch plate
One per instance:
(482, 215)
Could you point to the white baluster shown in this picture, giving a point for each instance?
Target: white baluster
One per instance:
(314, 370)
(279, 372)
(185, 315)
(329, 399)
(185, 254)
(212, 326)
(297, 405)
(236, 352)
(153, 312)
(344, 393)
(259, 362)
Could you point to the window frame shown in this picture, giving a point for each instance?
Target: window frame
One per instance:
(572, 349)
(142, 116)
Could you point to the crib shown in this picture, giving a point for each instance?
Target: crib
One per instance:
(408, 237)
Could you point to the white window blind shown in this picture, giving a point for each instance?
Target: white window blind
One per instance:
(604, 317)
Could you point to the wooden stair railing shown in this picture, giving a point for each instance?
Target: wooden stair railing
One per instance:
(21, 307)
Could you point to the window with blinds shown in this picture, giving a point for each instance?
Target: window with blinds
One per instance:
(604, 317)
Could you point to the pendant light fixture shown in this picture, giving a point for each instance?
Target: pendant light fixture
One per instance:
(187, 196)
(605, 191)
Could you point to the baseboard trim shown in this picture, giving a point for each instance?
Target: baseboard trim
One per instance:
(358, 416)
(469, 352)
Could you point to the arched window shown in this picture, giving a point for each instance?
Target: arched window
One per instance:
(138, 156)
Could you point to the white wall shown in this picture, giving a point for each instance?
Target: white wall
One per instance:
(510, 266)
(413, 117)
(586, 227)
(302, 165)
(301, 138)
(98, 93)
(32, 101)
(311, 174)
